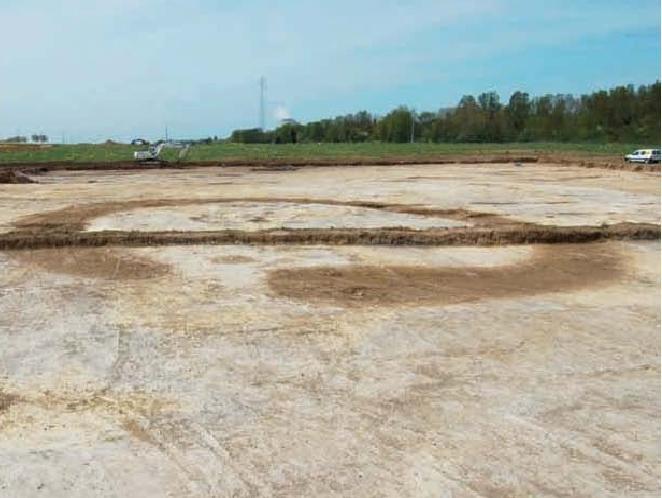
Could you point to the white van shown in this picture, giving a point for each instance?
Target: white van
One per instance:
(648, 156)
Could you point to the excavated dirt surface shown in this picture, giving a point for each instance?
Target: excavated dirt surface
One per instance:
(551, 269)
(13, 176)
(76, 218)
(514, 352)
(614, 162)
(92, 263)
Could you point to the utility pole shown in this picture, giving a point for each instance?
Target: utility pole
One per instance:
(263, 85)
(413, 127)
(166, 133)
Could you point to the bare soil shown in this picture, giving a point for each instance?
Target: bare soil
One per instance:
(64, 228)
(15, 176)
(7, 400)
(524, 234)
(75, 218)
(274, 164)
(576, 160)
(599, 162)
(101, 263)
(551, 269)
(389, 361)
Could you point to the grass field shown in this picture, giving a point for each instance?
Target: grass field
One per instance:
(234, 152)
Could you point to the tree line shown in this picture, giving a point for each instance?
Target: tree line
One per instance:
(621, 114)
(21, 139)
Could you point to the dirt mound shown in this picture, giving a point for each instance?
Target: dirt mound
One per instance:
(284, 164)
(13, 176)
(552, 269)
(599, 162)
(486, 236)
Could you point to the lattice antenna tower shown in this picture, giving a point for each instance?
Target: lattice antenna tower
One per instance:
(263, 89)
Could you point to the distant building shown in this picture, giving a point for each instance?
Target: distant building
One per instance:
(288, 121)
(139, 141)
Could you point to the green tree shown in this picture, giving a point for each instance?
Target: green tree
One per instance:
(621, 114)
(518, 111)
(467, 121)
(396, 126)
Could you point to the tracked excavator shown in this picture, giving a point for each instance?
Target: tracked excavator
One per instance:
(153, 153)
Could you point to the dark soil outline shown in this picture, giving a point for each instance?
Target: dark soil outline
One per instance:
(65, 228)
(74, 218)
(463, 236)
(550, 269)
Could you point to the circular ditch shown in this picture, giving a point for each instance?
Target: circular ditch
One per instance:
(261, 215)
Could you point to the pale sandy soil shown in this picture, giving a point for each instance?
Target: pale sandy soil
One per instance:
(538, 193)
(182, 370)
(253, 216)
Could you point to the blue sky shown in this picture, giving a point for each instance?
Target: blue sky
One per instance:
(93, 70)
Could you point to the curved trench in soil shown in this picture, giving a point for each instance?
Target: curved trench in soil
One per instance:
(554, 268)
(551, 269)
(66, 228)
(76, 217)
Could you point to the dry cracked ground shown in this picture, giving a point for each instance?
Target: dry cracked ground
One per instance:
(384, 364)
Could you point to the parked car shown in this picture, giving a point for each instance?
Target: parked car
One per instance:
(648, 156)
(139, 141)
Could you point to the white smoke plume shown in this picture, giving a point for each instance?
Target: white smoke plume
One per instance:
(281, 112)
